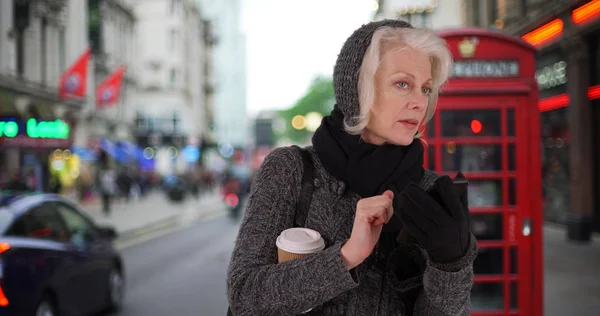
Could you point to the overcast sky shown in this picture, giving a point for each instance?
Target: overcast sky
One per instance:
(289, 42)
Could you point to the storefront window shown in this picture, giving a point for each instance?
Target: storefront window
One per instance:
(555, 164)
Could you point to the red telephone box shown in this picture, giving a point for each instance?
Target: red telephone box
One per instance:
(487, 126)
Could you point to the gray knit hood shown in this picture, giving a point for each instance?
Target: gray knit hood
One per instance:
(347, 66)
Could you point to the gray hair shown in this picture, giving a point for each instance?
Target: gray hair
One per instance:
(424, 40)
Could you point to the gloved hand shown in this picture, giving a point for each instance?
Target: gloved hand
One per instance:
(438, 219)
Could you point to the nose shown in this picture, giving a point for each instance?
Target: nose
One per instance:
(418, 102)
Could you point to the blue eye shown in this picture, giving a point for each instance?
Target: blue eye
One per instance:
(402, 84)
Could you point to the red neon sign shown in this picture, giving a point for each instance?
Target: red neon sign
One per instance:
(552, 30)
(544, 33)
(562, 100)
(586, 12)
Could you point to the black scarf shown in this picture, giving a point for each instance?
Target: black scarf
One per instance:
(367, 169)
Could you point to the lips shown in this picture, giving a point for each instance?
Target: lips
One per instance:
(409, 123)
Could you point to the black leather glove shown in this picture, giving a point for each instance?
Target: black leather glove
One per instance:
(437, 219)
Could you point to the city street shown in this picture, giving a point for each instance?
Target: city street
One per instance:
(180, 273)
(152, 117)
(183, 271)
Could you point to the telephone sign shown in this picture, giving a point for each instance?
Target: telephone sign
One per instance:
(486, 68)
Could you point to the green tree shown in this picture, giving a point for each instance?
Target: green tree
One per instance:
(319, 98)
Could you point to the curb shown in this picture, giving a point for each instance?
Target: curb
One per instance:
(159, 225)
(208, 215)
(115, 206)
(164, 224)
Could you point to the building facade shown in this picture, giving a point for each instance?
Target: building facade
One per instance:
(77, 41)
(36, 46)
(231, 123)
(209, 135)
(111, 27)
(568, 76)
(174, 89)
(433, 14)
(487, 14)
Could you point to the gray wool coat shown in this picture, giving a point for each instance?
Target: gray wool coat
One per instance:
(257, 285)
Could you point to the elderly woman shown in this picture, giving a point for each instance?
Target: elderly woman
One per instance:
(397, 236)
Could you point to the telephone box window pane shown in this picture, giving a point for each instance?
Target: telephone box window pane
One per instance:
(471, 158)
(514, 262)
(489, 261)
(512, 157)
(485, 193)
(510, 122)
(487, 297)
(514, 294)
(512, 192)
(431, 157)
(431, 128)
(468, 123)
(487, 226)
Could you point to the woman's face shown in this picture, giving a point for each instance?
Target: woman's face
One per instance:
(402, 89)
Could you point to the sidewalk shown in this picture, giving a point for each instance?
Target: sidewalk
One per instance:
(154, 210)
(571, 275)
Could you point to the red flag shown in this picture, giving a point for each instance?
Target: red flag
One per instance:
(73, 82)
(109, 90)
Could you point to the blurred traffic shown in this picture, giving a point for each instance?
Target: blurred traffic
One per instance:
(55, 259)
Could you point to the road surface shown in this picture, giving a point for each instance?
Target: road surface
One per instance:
(180, 273)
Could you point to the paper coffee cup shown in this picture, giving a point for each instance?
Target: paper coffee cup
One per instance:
(295, 243)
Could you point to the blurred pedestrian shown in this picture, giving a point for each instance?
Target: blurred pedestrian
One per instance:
(55, 185)
(106, 183)
(397, 239)
(124, 183)
(16, 183)
(31, 180)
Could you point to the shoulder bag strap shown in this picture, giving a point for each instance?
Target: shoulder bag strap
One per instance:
(305, 198)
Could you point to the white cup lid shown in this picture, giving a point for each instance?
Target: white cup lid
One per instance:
(300, 241)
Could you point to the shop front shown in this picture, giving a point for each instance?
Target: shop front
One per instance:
(32, 142)
(34, 122)
(551, 77)
(594, 97)
(567, 77)
(166, 153)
